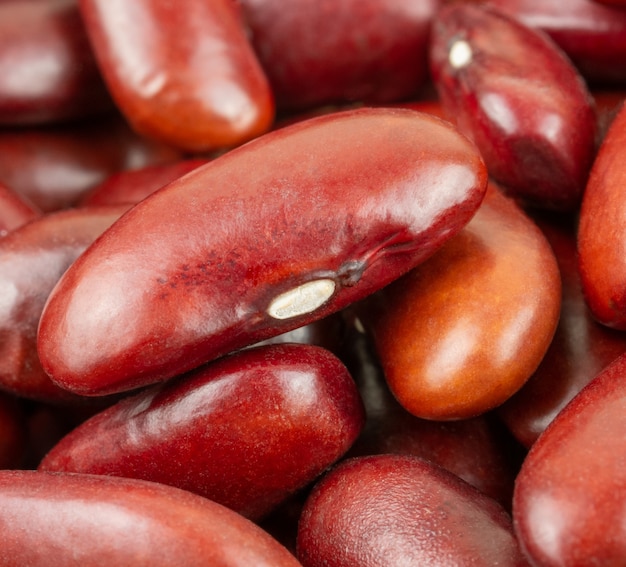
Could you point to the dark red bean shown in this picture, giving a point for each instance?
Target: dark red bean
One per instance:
(32, 259)
(14, 210)
(317, 53)
(67, 520)
(47, 69)
(512, 91)
(285, 230)
(246, 431)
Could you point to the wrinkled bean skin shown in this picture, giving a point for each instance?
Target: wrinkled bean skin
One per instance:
(131, 186)
(602, 230)
(569, 504)
(460, 334)
(521, 101)
(268, 421)
(53, 167)
(65, 520)
(580, 349)
(259, 223)
(476, 450)
(32, 259)
(47, 69)
(14, 210)
(375, 50)
(397, 510)
(592, 35)
(189, 77)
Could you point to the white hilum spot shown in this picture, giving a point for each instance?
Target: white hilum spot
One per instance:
(302, 299)
(460, 54)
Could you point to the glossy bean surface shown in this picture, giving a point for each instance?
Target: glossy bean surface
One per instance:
(56, 519)
(602, 230)
(569, 503)
(513, 92)
(47, 69)
(593, 36)
(53, 167)
(32, 259)
(460, 334)
(317, 53)
(189, 77)
(398, 510)
(246, 431)
(271, 236)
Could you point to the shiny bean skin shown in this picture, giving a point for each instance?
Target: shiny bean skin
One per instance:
(580, 349)
(269, 421)
(53, 167)
(389, 510)
(280, 232)
(602, 230)
(512, 91)
(131, 186)
(374, 51)
(14, 210)
(67, 520)
(188, 78)
(593, 36)
(47, 69)
(568, 505)
(460, 334)
(32, 259)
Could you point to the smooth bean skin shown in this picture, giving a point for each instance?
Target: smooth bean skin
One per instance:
(53, 167)
(221, 259)
(602, 230)
(389, 510)
(478, 450)
(246, 431)
(460, 334)
(14, 210)
(512, 91)
(32, 259)
(568, 504)
(47, 69)
(62, 519)
(131, 186)
(373, 51)
(189, 77)
(580, 349)
(593, 36)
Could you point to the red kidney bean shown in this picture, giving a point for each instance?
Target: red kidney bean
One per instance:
(478, 450)
(374, 51)
(460, 334)
(283, 231)
(53, 167)
(592, 35)
(131, 186)
(398, 510)
(47, 69)
(568, 505)
(56, 519)
(14, 210)
(269, 420)
(513, 92)
(602, 229)
(32, 259)
(614, 3)
(189, 77)
(12, 433)
(580, 349)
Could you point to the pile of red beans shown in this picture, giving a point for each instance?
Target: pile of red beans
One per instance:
(312, 282)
